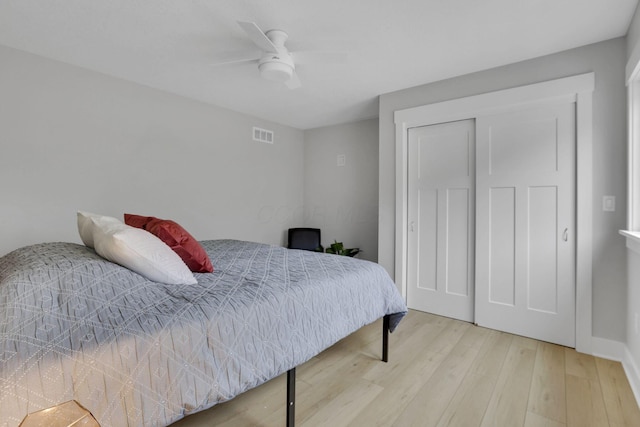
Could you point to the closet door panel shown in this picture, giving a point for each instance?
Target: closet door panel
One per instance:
(525, 221)
(441, 219)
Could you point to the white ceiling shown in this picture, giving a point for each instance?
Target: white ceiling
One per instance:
(390, 44)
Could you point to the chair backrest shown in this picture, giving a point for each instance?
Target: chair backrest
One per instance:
(304, 238)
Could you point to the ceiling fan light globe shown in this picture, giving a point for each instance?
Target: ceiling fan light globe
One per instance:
(276, 71)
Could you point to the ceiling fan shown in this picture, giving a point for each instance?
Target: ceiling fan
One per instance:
(275, 62)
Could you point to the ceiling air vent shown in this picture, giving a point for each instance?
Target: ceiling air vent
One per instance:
(262, 135)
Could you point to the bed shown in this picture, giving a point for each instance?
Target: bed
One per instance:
(74, 326)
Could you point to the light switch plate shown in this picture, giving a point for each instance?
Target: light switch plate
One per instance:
(609, 203)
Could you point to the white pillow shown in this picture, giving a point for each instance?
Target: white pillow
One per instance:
(86, 226)
(133, 248)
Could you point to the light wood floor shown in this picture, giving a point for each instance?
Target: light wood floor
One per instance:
(441, 372)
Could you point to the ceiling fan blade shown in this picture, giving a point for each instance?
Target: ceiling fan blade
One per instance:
(235, 58)
(258, 37)
(293, 82)
(327, 57)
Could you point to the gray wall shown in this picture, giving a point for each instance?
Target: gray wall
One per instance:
(343, 200)
(633, 305)
(607, 60)
(633, 33)
(633, 263)
(75, 139)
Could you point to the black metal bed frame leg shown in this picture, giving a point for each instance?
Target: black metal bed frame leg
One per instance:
(385, 338)
(291, 375)
(291, 397)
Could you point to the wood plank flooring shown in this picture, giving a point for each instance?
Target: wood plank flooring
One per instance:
(441, 372)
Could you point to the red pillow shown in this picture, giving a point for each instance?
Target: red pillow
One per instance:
(177, 238)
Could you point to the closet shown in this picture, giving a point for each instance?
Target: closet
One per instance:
(491, 220)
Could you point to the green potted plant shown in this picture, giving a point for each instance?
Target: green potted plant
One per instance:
(337, 248)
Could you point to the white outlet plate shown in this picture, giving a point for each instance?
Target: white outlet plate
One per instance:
(342, 160)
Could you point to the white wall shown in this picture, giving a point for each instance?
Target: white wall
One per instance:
(343, 200)
(607, 60)
(75, 139)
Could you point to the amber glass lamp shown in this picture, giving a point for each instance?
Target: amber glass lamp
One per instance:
(66, 414)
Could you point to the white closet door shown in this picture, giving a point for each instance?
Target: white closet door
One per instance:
(525, 241)
(441, 208)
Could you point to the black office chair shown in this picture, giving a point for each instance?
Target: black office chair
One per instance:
(305, 238)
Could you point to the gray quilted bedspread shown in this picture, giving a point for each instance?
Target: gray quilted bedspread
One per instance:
(140, 353)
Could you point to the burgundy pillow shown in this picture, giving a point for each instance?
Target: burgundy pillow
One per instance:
(177, 238)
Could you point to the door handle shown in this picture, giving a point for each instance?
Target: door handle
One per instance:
(411, 226)
(565, 234)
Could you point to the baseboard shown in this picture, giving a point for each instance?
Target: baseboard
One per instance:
(618, 351)
(608, 349)
(633, 373)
